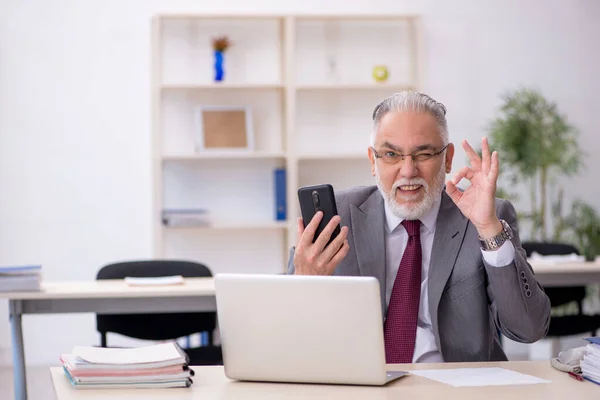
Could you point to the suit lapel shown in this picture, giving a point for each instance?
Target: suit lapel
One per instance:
(450, 229)
(368, 230)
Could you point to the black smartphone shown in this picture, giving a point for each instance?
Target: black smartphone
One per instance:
(318, 198)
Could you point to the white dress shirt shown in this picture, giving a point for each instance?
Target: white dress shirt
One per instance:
(396, 239)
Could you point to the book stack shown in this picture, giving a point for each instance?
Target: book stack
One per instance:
(20, 278)
(188, 217)
(590, 364)
(163, 365)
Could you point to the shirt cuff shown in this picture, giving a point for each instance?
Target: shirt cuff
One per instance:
(501, 257)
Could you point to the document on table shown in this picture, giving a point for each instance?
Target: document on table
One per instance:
(478, 377)
(141, 355)
(154, 281)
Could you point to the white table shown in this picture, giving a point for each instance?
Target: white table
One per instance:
(567, 274)
(103, 297)
(195, 295)
(211, 383)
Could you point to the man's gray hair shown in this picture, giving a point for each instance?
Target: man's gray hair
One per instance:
(411, 101)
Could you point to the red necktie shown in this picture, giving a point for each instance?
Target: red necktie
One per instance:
(400, 327)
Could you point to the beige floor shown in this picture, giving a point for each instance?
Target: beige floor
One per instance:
(39, 386)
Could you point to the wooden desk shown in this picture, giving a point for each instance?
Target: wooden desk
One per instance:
(103, 297)
(211, 383)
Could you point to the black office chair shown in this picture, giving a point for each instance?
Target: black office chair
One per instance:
(158, 326)
(568, 324)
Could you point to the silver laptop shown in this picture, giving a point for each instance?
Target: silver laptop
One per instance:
(312, 329)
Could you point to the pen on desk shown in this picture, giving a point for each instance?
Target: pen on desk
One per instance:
(576, 376)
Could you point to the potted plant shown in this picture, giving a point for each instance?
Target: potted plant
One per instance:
(537, 144)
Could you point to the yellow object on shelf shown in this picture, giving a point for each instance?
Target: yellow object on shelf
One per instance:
(380, 73)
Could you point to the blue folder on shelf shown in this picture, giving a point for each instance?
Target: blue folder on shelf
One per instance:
(280, 194)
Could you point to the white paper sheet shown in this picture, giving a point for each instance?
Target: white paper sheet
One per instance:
(155, 281)
(140, 355)
(479, 377)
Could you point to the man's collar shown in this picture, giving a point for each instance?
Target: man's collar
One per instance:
(428, 220)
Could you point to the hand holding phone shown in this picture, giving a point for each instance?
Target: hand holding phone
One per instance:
(322, 243)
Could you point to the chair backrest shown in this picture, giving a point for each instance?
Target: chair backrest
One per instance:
(557, 295)
(154, 268)
(155, 326)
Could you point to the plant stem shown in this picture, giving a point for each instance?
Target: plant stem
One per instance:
(534, 225)
(557, 213)
(543, 184)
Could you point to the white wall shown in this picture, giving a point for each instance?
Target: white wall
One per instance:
(75, 186)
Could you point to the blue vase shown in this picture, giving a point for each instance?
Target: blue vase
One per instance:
(219, 66)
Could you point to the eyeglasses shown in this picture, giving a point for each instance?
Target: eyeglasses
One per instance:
(391, 157)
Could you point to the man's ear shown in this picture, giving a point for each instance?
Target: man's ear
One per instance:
(449, 157)
(372, 160)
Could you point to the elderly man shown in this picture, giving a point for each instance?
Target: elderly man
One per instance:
(449, 262)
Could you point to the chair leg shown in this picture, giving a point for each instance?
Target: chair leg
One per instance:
(103, 339)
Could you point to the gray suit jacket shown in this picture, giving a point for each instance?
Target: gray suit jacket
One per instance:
(468, 299)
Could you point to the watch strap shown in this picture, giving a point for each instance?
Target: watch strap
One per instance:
(495, 242)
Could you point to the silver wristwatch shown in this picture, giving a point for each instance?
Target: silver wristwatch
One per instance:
(498, 240)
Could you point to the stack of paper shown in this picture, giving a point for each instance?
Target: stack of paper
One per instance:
(186, 217)
(158, 366)
(590, 365)
(555, 258)
(20, 278)
(154, 281)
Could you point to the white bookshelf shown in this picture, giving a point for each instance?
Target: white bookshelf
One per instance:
(308, 83)
(332, 156)
(221, 86)
(233, 226)
(223, 156)
(355, 86)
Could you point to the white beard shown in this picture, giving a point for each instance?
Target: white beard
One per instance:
(413, 211)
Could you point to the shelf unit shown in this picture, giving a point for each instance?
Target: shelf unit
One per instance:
(222, 86)
(356, 86)
(222, 156)
(308, 81)
(234, 226)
